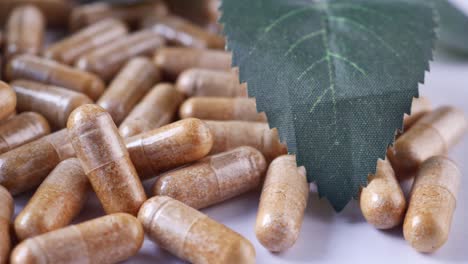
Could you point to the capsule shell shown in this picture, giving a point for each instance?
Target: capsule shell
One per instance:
(108, 59)
(155, 110)
(22, 129)
(213, 83)
(25, 167)
(170, 146)
(420, 107)
(56, 202)
(174, 61)
(50, 72)
(214, 179)
(434, 134)
(54, 103)
(6, 212)
(24, 31)
(432, 204)
(8, 102)
(132, 83)
(191, 235)
(383, 203)
(56, 11)
(200, 12)
(108, 239)
(105, 159)
(90, 38)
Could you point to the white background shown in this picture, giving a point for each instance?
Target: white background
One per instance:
(327, 237)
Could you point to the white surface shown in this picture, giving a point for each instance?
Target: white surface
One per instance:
(327, 237)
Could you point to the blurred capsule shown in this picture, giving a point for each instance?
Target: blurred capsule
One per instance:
(6, 212)
(420, 107)
(201, 12)
(55, 11)
(213, 83)
(8, 101)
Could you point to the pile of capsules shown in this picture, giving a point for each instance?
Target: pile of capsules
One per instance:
(97, 110)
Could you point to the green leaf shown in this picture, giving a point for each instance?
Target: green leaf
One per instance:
(453, 30)
(335, 77)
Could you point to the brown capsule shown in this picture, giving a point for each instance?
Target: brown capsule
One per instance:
(155, 110)
(174, 61)
(24, 31)
(282, 204)
(108, 59)
(108, 239)
(214, 179)
(22, 129)
(132, 83)
(181, 32)
(56, 11)
(420, 107)
(8, 102)
(50, 72)
(201, 12)
(105, 159)
(56, 202)
(90, 38)
(232, 134)
(6, 212)
(432, 204)
(383, 203)
(219, 108)
(434, 134)
(213, 83)
(85, 15)
(25, 167)
(54, 103)
(191, 235)
(169, 147)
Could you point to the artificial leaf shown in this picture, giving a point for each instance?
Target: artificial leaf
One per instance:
(453, 29)
(334, 77)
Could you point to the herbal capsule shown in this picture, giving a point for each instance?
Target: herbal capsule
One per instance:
(90, 38)
(54, 103)
(432, 203)
(214, 179)
(169, 147)
(8, 102)
(182, 32)
(383, 203)
(132, 83)
(105, 159)
(85, 15)
(419, 108)
(432, 135)
(232, 134)
(25, 167)
(24, 31)
(174, 61)
(6, 212)
(213, 83)
(56, 11)
(51, 72)
(22, 129)
(107, 60)
(108, 239)
(219, 108)
(56, 202)
(201, 12)
(156, 109)
(191, 235)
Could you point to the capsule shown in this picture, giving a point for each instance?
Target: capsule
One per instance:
(434, 134)
(25, 167)
(68, 50)
(56, 11)
(51, 72)
(432, 204)
(420, 107)
(211, 83)
(22, 129)
(383, 203)
(54, 103)
(108, 239)
(174, 61)
(105, 159)
(201, 12)
(24, 31)
(169, 146)
(132, 83)
(181, 32)
(6, 212)
(155, 110)
(214, 179)
(8, 102)
(107, 60)
(85, 15)
(191, 235)
(56, 202)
